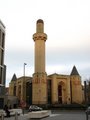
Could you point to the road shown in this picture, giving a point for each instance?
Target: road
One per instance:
(67, 115)
(58, 115)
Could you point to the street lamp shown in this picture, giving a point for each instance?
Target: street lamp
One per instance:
(23, 79)
(23, 86)
(24, 70)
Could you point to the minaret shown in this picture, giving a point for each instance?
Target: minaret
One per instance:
(39, 84)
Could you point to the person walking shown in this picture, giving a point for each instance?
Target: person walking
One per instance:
(7, 111)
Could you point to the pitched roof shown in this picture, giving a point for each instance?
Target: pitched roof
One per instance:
(14, 77)
(74, 71)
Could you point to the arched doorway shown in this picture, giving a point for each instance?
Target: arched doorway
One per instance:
(59, 94)
(29, 93)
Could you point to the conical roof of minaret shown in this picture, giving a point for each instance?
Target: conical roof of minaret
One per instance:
(74, 71)
(14, 78)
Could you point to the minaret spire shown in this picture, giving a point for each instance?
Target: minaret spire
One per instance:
(39, 37)
(39, 84)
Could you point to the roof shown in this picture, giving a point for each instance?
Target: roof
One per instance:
(58, 75)
(74, 71)
(14, 78)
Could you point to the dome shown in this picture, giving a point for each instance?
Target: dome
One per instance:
(40, 21)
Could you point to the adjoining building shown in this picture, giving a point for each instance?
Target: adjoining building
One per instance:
(45, 89)
(2, 65)
(2, 52)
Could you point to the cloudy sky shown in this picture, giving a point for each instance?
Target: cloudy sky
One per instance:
(67, 24)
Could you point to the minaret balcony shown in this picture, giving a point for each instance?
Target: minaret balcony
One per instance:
(39, 36)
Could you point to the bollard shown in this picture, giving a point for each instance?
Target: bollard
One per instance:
(2, 116)
(86, 116)
(16, 116)
(23, 111)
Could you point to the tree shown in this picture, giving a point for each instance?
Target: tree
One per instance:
(87, 90)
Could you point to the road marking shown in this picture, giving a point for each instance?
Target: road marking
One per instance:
(52, 115)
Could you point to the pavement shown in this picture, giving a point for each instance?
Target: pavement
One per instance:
(56, 115)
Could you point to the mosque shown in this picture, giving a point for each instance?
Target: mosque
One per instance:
(42, 89)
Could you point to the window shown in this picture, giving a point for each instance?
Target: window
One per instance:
(3, 38)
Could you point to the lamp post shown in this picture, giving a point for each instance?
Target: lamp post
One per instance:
(23, 77)
(24, 70)
(23, 87)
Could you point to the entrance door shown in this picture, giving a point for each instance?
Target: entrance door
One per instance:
(60, 94)
(29, 93)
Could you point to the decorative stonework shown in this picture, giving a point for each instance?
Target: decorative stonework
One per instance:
(39, 36)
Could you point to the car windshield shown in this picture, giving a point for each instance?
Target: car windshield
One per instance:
(33, 106)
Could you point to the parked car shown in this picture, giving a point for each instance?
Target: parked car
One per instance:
(34, 108)
(88, 110)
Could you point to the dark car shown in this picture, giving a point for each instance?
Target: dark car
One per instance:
(34, 108)
(88, 110)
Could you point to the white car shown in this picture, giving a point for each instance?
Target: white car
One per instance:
(88, 110)
(34, 108)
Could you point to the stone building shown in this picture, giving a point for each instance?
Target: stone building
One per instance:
(43, 88)
(65, 89)
(22, 88)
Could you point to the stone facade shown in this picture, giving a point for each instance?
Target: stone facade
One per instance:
(61, 89)
(64, 89)
(21, 88)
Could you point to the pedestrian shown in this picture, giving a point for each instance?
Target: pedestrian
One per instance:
(7, 111)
